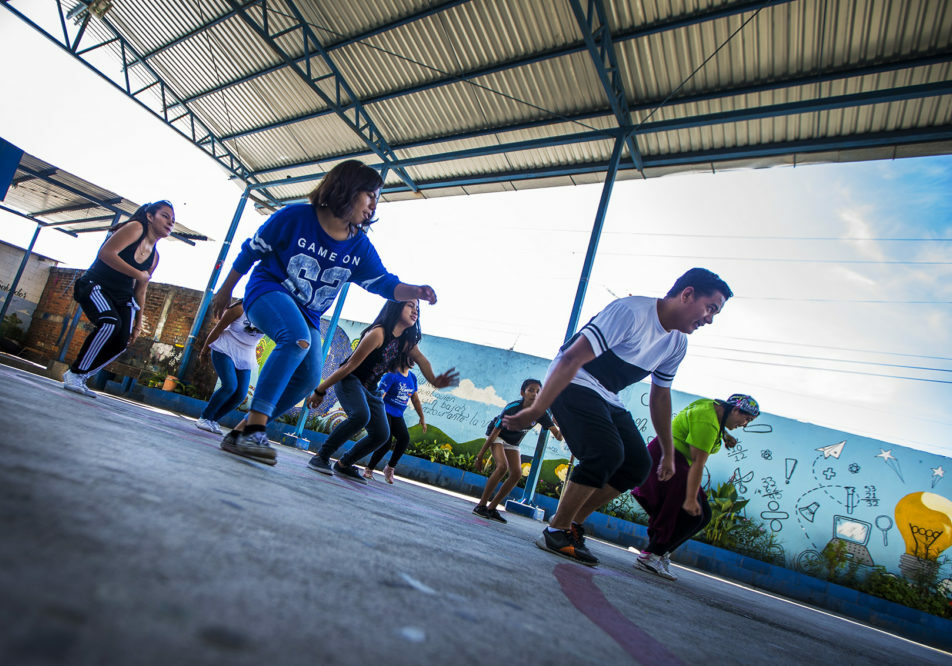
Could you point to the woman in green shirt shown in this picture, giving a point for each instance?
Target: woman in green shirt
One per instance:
(677, 508)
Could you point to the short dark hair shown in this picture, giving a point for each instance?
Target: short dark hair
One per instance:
(704, 282)
(529, 382)
(340, 186)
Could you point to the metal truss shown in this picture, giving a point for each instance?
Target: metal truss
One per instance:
(343, 101)
(172, 110)
(598, 39)
(660, 26)
(740, 115)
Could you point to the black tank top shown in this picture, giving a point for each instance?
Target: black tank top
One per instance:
(111, 280)
(378, 362)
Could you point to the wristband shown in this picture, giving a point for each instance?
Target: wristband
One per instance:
(320, 392)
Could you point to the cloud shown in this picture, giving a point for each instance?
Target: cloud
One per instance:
(469, 391)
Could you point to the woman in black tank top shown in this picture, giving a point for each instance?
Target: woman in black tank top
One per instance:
(388, 343)
(112, 292)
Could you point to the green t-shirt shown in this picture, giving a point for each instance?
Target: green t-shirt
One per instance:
(696, 425)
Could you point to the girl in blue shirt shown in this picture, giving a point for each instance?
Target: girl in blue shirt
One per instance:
(304, 255)
(398, 390)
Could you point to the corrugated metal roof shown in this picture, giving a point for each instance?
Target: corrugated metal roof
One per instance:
(56, 198)
(710, 84)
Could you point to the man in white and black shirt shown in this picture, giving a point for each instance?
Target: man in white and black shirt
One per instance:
(624, 343)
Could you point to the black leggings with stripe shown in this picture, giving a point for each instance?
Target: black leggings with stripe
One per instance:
(113, 321)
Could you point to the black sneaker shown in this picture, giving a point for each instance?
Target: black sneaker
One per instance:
(563, 543)
(228, 441)
(319, 464)
(578, 532)
(481, 511)
(492, 514)
(350, 472)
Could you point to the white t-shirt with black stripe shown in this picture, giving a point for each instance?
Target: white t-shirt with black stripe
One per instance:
(629, 344)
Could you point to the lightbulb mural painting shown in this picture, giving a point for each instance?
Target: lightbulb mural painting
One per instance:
(925, 522)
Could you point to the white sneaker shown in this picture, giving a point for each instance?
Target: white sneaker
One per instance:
(208, 426)
(77, 384)
(654, 564)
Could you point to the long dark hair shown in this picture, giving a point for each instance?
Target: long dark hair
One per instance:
(142, 214)
(388, 318)
(338, 189)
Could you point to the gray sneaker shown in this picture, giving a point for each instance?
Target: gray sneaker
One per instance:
(255, 444)
(77, 384)
(655, 564)
(349, 472)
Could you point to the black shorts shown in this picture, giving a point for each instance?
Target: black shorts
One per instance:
(603, 438)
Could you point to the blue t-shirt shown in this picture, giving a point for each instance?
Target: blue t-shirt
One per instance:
(295, 255)
(397, 391)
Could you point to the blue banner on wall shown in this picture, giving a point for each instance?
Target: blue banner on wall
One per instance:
(10, 157)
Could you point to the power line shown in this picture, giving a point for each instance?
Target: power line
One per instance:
(826, 358)
(775, 259)
(837, 370)
(847, 349)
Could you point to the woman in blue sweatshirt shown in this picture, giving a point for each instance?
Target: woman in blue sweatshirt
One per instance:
(304, 254)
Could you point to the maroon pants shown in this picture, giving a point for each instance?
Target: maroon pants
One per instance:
(669, 525)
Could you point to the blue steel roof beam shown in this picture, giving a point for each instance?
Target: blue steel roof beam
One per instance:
(95, 46)
(834, 74)
(80, 33)
(108, 204)
(36, 221)
(361, 124)
(665, 25)
(804, 106)
(741, 115)
(331, 47)
(225, 158)
(598, 39)
(74, 207)
(481, 151)
(902, 137)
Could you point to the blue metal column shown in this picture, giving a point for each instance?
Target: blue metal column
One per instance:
(299, 440)
(533, 479)
(69, 334)
(16, 280)
(212, 281)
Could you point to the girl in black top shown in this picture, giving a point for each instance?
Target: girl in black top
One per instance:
(112, 292)
(388, 343)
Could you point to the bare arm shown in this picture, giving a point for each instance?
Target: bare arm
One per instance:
(139, 295)
(407, 292)
(448, 378)
(418, 406)
(659, 404)
(368, 343)
(231, 314)
(691, 505)
(222, 297)
(573, 358)
(556, 432)
(120, 240)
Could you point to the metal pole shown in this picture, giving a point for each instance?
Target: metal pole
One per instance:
(536, 469)
(212, 281)
(325, 350)
(16, 280)
(69, 334)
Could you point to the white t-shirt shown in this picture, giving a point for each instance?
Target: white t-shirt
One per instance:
(238, 342)
(629, 344)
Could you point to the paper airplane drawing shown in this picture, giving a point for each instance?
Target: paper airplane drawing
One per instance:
(833, 449)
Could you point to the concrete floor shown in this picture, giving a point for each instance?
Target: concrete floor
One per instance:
(128, 537)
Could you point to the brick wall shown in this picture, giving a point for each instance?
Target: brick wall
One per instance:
(169, 312)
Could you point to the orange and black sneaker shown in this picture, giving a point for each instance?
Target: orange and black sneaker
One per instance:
(564, 543)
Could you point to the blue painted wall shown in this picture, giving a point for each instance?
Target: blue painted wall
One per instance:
(806, 483)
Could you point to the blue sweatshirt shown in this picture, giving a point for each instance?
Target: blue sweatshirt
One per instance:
(296, 256)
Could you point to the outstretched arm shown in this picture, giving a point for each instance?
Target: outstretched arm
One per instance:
(562, 374)
(368, 343)
(407, 292)
(448, 378)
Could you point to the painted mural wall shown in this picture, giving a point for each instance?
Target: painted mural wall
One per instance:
(888, 504)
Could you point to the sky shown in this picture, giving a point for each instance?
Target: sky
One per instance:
(836, 321)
